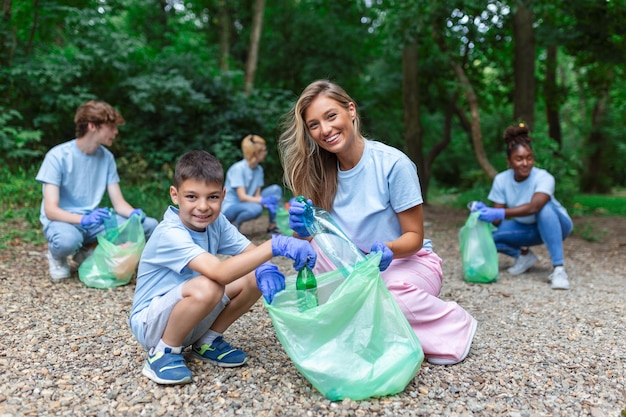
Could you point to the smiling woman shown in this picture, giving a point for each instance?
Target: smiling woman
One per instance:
(526, 211)
(373, 193)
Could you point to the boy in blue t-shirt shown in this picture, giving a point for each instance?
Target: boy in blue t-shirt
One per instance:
(185, 295)
(74, 176)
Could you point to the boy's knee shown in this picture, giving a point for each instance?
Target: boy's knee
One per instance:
(205, 291)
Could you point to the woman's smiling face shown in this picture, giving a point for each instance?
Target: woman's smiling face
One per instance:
(521, 162)
(330, 124)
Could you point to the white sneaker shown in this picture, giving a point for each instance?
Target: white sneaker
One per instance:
(558, 279)
(523, 263)
(59, 269)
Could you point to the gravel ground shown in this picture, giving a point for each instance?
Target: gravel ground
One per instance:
(67, 349)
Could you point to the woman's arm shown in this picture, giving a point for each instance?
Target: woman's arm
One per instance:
(412, 238)
(533, 207)
(243, 197)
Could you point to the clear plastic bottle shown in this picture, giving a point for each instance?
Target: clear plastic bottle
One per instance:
(110, 226)
(331, 239)
(306, 285)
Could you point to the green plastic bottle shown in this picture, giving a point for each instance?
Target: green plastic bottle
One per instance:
(306, 285)
(110, 226)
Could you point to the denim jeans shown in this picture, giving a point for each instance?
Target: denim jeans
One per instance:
(244, 211)
(66, 239)
(551, 228)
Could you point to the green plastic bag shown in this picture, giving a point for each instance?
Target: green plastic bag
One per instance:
(282, 221)
(478, 251)
(113, 263)
(357, 343)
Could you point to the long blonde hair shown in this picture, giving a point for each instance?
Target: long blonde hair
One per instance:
(308, 169)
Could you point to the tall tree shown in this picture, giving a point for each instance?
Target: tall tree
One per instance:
(524, 64)
(253, 49)
(7, 35)
(224, 35)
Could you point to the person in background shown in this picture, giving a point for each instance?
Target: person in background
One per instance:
(526, 211)
(372, 191)
(187, 296)
(74, 176)
(245, 197)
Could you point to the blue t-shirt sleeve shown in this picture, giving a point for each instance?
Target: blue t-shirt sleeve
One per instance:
(404, 186)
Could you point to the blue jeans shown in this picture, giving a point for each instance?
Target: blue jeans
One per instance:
(244, 211)
(65, 239)
(552, 227)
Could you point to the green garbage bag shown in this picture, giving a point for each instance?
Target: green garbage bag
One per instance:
(356, 343)
(113, 263)
(282, 221)
(478, 251)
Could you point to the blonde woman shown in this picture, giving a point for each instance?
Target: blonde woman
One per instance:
(245, 197)
(372, 190)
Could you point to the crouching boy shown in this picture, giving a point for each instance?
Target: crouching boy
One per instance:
(185, 295)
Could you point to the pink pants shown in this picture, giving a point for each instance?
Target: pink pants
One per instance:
(444, 329)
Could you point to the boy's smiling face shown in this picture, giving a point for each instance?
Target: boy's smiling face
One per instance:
(199, 203)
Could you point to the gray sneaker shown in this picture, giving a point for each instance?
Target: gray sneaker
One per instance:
(558, 279)
(59, 269)
(523, 263)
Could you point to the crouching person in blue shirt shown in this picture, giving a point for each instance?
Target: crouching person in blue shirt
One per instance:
(187, 296)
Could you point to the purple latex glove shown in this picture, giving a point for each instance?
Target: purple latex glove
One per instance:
(300, 251)
(270, 200)
(475, 206)
(139, 212)
(490, 215)
(296, 218)
(94, 218)
(387, 257)
(269, 280)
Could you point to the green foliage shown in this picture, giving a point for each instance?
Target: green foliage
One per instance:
(16, 142)
(20, 200)
(613, 205)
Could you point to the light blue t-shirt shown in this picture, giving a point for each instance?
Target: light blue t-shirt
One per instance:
(505, 190)
(163, 263)
(370, 195)
(241, 175)
(82, 179)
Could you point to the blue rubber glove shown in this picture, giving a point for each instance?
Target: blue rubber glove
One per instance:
(476, 206)
(270, 200)
(300, 251)
(139, 212)
(94, 218)
(296, 218)
(269, 280)
(490, 215)
(387, 257)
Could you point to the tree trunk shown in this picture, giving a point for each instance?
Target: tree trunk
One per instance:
(596, 179)
(552, 96)
(412, 116)
(7, 35)
(477, 137)
(224, 23)
(253, 49)
(524, 65)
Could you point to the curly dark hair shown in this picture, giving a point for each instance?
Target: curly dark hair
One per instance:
(515, 136)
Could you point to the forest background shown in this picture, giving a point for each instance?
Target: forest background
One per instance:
(439, 80)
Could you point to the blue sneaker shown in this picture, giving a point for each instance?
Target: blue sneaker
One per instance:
(220, 353)
(167, 368)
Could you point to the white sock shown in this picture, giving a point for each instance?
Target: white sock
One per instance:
(208, 338)
(160, 347)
